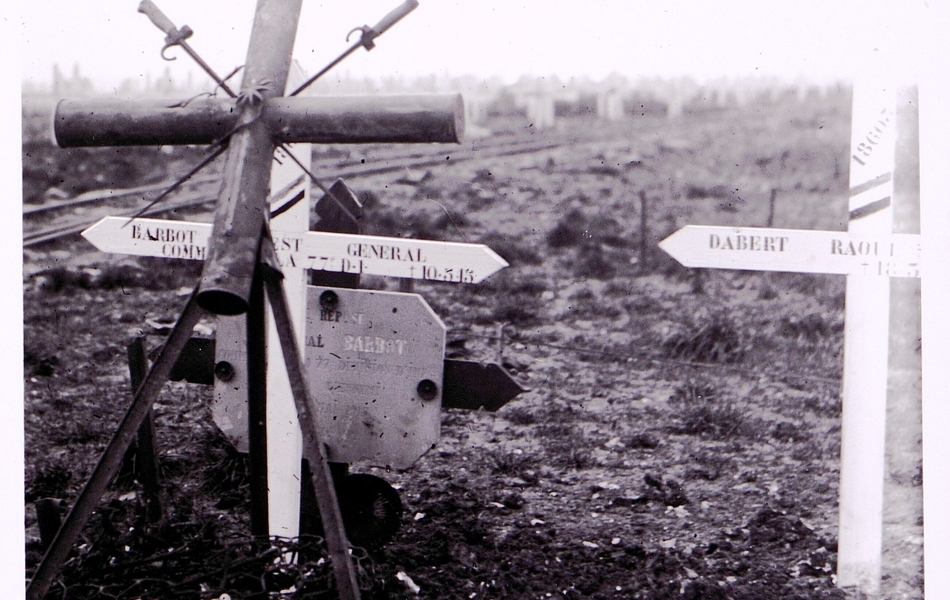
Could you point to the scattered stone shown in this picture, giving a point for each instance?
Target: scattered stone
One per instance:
(675, 496)
(410, 178)
(407, 581)
(642, 439)
(629, 501)
(54, 193)
(514, 501)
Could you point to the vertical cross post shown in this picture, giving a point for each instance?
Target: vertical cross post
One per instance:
(935, 288)
(866, 342)
(239, 216)
(232, 271)
(284, 443)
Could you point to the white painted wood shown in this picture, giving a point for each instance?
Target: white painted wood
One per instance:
(540, 108)
(795, 250)
(453, 262)
(935, 349)
(284, 443)
(864, 393)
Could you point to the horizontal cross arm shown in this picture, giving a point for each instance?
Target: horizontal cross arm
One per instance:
(318, 120)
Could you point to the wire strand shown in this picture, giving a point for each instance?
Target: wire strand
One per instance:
(208, 160)
(658, 360)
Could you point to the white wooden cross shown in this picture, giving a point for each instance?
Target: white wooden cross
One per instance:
(869, 253)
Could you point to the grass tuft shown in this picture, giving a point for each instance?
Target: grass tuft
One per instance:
(700, 411)
(715, 341)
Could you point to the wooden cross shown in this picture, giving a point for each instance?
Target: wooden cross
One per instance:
(869, 254)
(241, 263)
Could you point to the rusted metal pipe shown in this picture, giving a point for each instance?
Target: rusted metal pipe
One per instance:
(242, 201)
(435, 118)
(108, 122)
(368, 119)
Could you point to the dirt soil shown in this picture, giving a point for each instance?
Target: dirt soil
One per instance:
(681, 432)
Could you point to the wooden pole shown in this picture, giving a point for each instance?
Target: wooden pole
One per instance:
(903, 496)
(772, 196)
(257, 409)
(644, 232)
(146, 463)
(864, 399)
(47, 517)
(935, 289)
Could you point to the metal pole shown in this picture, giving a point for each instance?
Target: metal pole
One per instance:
(242, 201)
(257, 409)
(111, 458)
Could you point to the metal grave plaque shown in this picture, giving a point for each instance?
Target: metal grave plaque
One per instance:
(374, 361)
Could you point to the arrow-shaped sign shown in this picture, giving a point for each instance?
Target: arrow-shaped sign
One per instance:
(471, 385)
(795, 250)
(346, 253)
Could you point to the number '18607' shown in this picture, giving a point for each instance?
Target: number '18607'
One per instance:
(865, 148)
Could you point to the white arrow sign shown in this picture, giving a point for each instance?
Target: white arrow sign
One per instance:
(318, 250)
(795, 250)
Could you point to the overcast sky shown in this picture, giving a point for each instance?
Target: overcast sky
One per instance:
(821, 40)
